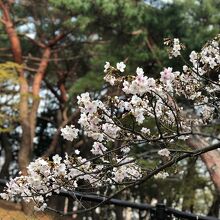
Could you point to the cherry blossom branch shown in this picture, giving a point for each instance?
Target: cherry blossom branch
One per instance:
(147, 177)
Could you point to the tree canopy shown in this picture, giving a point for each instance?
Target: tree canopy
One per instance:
(53, 50)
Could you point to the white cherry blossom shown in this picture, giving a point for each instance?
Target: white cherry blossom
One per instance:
(164, 152)
(106, 67)
(56, 159)
(121, 66)
(145, 111)
(98, 148)
(69, 132)
(161, 175)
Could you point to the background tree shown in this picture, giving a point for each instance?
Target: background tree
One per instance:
(94, 31)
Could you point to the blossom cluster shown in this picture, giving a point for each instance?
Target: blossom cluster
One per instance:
(124, 118)
(161, 175)
(164, 152)
(46, 177)
(69, 132)
(175, 47)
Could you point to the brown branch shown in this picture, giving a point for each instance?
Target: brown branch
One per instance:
(11, 32)
(41, 71)
(150, 45)
(148, 176)
(50, 44)
(54, 41)
(61, 82)
(50, 87)
(4, 49)
(51, 59)
(164, 166)
(30, 69)
(38, 43)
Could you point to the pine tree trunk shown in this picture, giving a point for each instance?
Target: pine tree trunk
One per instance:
(212, 161)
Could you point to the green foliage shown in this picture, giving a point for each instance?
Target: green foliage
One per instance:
(89, 82)
(8, 71)
(8, 102)
(134, 31)
(99, 31)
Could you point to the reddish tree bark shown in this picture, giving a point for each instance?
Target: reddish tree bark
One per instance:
(212, 161)
(27, 111)
(24, 88)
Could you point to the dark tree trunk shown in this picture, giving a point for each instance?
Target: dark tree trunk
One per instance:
(212, 161)
(4, 138)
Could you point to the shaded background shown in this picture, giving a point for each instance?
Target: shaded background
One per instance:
(61, 48)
